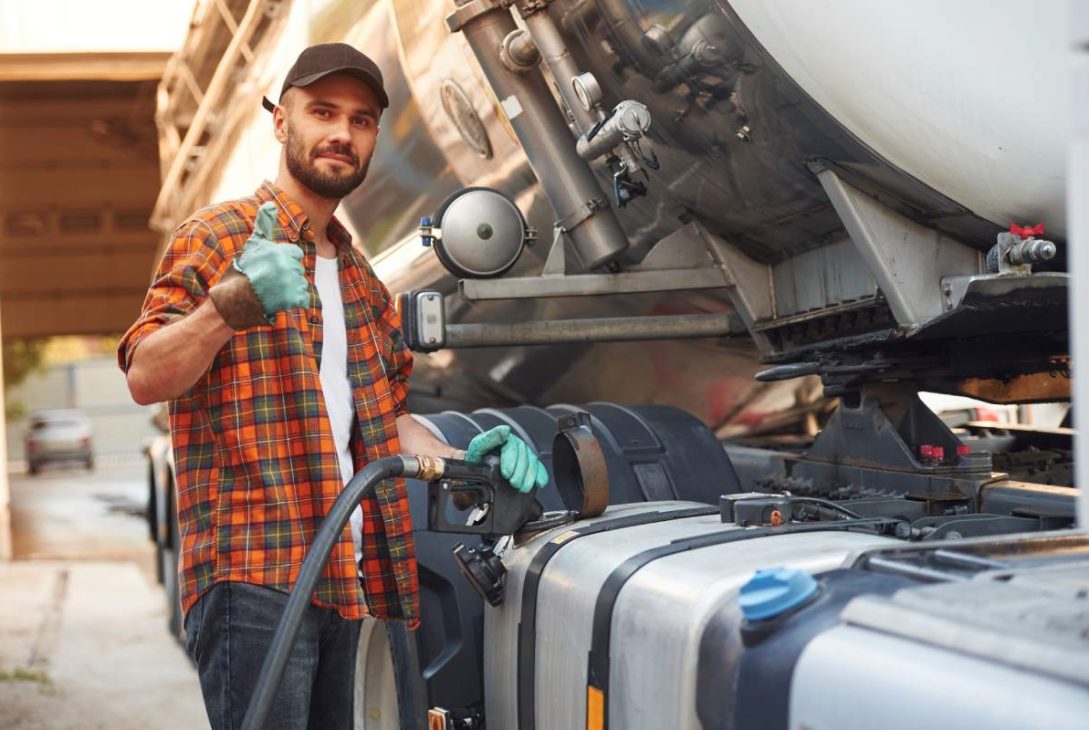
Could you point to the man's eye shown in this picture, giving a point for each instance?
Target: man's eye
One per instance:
(323, 113)
(361, 121)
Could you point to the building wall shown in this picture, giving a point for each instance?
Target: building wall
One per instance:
(97, 387)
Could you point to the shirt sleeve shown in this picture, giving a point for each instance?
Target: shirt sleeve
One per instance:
(190, 264)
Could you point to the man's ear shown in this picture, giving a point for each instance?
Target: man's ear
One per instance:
(279, 123)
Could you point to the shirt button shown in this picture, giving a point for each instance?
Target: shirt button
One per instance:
(315, 320)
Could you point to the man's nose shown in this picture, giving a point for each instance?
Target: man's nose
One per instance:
(340, 132)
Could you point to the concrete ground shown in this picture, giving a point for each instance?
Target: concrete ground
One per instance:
(83, 638)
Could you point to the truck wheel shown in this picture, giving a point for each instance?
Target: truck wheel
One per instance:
(375, 705)
(152, 516)
(169, 562)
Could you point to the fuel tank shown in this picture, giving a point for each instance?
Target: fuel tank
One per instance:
(596, 617)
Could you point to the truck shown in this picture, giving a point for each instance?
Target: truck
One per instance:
(703, 257)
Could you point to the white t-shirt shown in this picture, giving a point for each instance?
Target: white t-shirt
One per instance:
(335, 386)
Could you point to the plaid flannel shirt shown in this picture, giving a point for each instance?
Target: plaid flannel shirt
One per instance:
(254, 457)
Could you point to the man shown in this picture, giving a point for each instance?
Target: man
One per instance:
(281, 356)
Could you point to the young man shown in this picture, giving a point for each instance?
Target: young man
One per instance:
(282, 359)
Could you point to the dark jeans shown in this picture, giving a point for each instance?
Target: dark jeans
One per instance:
(228, 633)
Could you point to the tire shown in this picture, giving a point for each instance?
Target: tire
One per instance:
(169, 562)
(151, 515)
(375, 705)
(411, 690)
(33, 468)
(90, 464)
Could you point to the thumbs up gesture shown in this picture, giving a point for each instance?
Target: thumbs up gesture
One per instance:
(266, 278)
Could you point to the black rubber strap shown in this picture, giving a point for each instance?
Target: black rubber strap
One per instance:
(598, 662)
(527, 627)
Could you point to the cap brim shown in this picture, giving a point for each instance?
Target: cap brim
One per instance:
(353, 71)
(267, 104)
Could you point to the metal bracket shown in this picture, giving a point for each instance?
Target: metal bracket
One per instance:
(680, 261)
(556, 263)
(955, 289)
(466, 12)
(907, 260)
(581, 214)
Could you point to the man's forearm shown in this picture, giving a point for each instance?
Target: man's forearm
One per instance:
(171, 360)
(416, 440)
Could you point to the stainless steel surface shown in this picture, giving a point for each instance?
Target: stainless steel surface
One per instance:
(554, 53)
(582, 285)
(845, 679)
(1040, 626)
(587, 89)
(1033, 251)
(518, 52)
(660, 614)
(907, 260)
(750, 189)
(548, 143)
(482, 232)
(615, 329)
(821, 278)
(630, 120)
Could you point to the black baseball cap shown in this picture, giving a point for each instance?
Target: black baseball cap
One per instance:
(317, 62)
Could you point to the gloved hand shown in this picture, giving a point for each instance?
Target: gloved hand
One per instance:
(517, 462)
(266, 278)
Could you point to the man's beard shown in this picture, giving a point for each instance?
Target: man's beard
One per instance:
(326, 184)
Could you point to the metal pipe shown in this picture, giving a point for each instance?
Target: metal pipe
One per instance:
(610, 329)
(518, 52)
(583, 211)
(630, 120)
(559, 61)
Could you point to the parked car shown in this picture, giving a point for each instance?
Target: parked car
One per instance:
(59, 435)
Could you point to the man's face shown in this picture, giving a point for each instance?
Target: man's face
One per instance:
(329, 129)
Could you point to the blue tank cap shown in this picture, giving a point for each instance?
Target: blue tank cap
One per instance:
(773, 592)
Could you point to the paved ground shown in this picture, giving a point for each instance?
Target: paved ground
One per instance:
(83, 639)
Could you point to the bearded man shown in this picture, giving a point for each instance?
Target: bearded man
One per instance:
(281, 356)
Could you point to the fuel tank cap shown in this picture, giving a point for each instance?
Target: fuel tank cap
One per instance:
(478, 233)
(774, 592)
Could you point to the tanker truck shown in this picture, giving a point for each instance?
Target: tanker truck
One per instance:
(703, 257)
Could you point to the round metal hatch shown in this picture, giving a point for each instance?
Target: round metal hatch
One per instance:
(482, 233)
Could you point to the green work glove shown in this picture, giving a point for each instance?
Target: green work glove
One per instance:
(266, 278)
(517, 462)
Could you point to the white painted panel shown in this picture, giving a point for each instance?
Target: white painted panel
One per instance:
(972, 97)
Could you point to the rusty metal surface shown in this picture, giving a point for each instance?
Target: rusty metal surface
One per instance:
(582, 477)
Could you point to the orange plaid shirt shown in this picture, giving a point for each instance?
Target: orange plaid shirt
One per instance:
(254, 457)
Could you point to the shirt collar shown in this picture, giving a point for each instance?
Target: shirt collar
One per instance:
(293, 219)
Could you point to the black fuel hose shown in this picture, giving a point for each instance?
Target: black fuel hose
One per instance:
(362, 484)
(272, 671)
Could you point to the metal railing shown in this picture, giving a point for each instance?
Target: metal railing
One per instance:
(219, 60)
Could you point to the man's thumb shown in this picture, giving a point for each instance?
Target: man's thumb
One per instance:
(266, 221)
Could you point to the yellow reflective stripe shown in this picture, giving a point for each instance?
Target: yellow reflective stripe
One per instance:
(595, 709)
